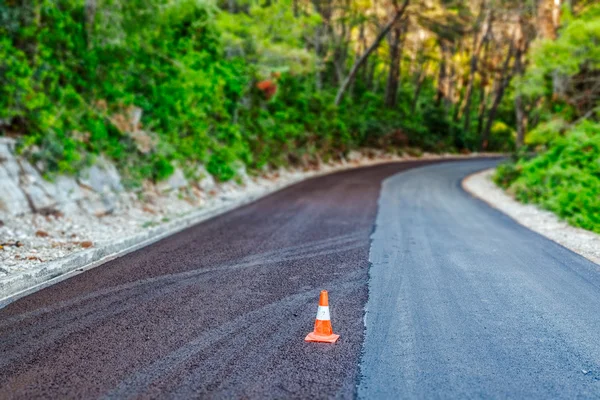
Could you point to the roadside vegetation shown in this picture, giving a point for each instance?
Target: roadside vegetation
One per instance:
(562, 88)
(158, 84)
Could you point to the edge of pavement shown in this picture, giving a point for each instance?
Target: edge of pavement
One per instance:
(543, 222)
(52, 272)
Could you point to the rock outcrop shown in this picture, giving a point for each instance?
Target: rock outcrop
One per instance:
(23, 189)
(96, 190)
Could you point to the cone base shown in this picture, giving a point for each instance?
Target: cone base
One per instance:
(315, 337)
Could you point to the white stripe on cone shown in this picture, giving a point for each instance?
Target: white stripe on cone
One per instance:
(323, 313)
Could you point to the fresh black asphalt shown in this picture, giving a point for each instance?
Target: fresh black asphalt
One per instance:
(219, 310)
(461, 302)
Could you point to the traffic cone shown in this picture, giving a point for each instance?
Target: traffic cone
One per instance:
(323, 331)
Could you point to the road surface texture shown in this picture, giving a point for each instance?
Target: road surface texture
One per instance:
(220, 309)
(464, 302)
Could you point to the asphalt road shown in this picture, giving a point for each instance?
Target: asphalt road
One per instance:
(220, 309)
(461, 302)
(466, 303)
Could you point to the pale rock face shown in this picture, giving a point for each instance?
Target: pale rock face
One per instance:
(23, 189)
(6, 149)
(135, 117)
(98, 204)
(102, 177)
(207, 182)
(37, 190)
(20, 186)
(175, 182)
(242, 174)
(67, 193)
(96, 191)
(354, 156)
(101, 184)
(12, 198)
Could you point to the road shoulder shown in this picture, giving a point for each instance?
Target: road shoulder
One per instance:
(546, 223)
(32, 278)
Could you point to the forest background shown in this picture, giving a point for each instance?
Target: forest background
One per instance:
(155, 85)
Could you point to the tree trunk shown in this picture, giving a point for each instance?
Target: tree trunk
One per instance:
(521, 121)
(520, 115)
(37, 23)
(503, 82)
(319, 61)
(483, 95)
(442, 76)
(478, 45)
(419, 85)
(361, 60)
(450, 84)
(466, 112)
(90, 17)
(458, 86)
(391, 90)
(340, 52)
(323, 8)
(362, 38)
(483, 91)
(548, 18)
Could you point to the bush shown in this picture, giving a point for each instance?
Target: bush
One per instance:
(214, 88)
(564, 179)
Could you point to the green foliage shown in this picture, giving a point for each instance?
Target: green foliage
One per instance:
(575, 49)
(272, 36)
(564, 179)
(561, 75)
(546, 132)
(502, 137)
(170, 65)
(565, 176)
(71, 84)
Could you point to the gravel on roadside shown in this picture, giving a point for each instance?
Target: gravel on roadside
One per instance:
(36, 249)
(33, 239)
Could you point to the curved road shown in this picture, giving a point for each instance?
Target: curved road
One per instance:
(461, 302)
(465, 302)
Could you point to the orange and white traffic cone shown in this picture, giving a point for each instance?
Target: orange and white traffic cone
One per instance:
(323, 331)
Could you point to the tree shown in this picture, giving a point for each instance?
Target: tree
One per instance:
(396, 40)
(363, 58)
(480, 39)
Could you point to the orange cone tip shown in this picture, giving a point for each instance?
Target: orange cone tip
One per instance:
(323, 331)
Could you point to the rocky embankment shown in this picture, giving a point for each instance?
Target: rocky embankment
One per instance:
(48, 229)
(41, 220)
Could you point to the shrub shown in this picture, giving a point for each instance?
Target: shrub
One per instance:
(564, 179)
